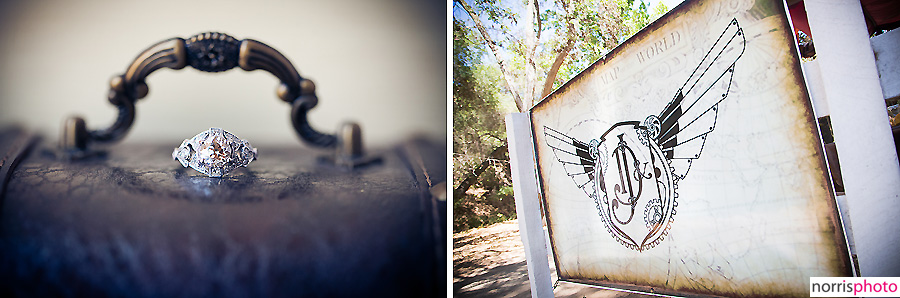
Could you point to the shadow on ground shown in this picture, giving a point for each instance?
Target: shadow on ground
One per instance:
(490, 262)
(501, 281)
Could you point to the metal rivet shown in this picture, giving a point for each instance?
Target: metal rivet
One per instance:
(307, 87)
(284, 92)
(117, 83)
(349, 144)
(141, 90)
(74, 136)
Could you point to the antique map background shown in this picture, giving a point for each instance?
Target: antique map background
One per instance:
(755, 215)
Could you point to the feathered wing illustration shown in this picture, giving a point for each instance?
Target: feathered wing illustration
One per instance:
(575, 157)
(691, 115)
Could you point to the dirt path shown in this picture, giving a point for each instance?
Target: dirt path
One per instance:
(490, 262)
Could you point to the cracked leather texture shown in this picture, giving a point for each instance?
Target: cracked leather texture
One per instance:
(136, 223)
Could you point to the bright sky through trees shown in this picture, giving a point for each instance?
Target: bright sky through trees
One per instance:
(508, 55)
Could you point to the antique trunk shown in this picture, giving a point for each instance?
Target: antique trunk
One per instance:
(135, 223)
(322, 220)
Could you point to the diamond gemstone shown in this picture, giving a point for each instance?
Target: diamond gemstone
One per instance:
(215, 152)
(184, 155)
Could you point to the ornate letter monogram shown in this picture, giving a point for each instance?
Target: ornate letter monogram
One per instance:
(632, 170)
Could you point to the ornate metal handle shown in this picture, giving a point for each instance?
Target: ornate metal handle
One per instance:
(209, 52)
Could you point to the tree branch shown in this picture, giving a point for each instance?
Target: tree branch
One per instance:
(496, 51)
(561, 53)
(472, 177)
(530, 65)
(537, 15)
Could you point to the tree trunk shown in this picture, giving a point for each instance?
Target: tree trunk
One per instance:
(554, 69)
(472, 177)
(494, 49)
(530, 66)
(561, 53)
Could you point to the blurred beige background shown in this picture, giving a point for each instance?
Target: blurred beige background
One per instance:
(380, 63)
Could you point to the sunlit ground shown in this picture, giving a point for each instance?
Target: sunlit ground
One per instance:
(490, 262)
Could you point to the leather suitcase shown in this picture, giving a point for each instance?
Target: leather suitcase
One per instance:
(298, 222)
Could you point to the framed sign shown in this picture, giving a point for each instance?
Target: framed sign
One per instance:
(688, 161)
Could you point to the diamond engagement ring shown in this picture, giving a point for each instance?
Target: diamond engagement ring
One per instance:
(214, 152)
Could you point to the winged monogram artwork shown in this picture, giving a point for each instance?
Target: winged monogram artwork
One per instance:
(632, 170)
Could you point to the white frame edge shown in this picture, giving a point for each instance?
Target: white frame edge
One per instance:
(528, 209)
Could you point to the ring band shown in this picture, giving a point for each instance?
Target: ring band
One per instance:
(215, 152)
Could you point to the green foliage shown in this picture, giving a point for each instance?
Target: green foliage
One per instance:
(637, 19)
(603, 25)
(658, 11)
(593, 27)
(478, 129)
(491, 202)
(478, 125)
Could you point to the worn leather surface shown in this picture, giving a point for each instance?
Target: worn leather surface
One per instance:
(136, 223)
